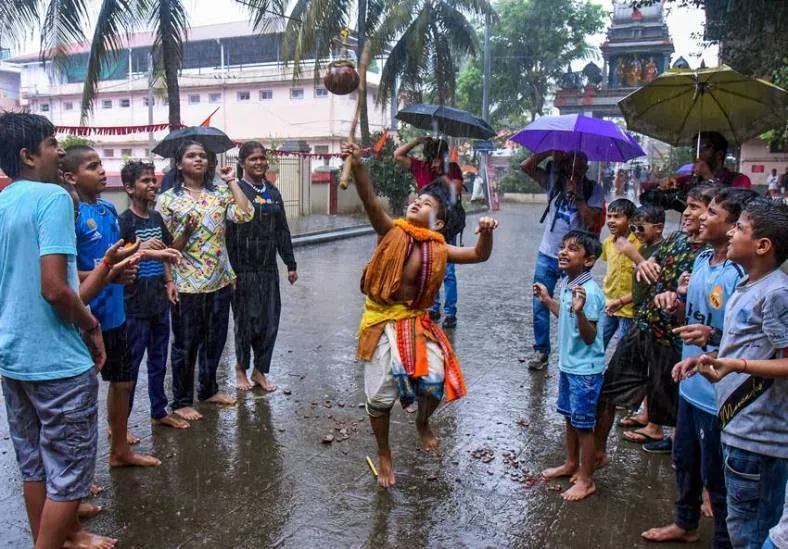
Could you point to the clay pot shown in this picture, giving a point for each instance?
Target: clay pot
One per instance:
(341, 78)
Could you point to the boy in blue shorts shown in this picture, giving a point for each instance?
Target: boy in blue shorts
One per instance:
(697, 451)
(97, 230)
(579, 308)
(50, 344)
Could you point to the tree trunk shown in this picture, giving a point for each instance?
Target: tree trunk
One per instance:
(362, 39)
(170, 57)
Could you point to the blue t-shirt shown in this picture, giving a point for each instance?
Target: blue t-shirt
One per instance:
(575, 357)
(97, 230)
(36, 219)
(709, 289)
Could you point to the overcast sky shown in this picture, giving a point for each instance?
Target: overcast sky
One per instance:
(685, 25)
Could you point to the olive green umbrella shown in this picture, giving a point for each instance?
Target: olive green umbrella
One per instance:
(682, 102)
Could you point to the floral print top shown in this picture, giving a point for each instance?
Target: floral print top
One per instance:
(205, 266)
(675, 256)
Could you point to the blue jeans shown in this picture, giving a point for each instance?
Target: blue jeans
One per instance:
(756, 495)
(547, 273)
(578, 397)
(612, 325)
(150, 334)
(449, 288)
(697, 459)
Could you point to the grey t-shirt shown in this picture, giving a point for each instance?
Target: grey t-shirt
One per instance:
(756, 327)
(567, 218)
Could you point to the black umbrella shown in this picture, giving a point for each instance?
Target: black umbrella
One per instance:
(445, 120)
(215, 141)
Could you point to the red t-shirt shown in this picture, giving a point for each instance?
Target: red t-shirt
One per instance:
(424, 175)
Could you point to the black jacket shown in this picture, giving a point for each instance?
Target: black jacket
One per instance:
(253, 246)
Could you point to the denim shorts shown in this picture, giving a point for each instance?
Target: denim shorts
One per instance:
(54, 429)
(578, 396)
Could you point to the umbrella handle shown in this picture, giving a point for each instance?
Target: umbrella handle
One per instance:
(362, 91)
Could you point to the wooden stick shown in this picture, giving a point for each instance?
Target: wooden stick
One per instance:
(362, 89)
(372, 467)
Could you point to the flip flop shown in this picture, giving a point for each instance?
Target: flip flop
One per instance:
(631, 421)
(639, 437)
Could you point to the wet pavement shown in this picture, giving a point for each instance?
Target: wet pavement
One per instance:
(258, 475)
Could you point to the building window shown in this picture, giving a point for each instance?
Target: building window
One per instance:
(266, 95)
(321, 92)
(214, 97)
(296, 93)
(147, 153)
(244, 96)
(194, 99)
(148, 101)
(44, 107)
(126, 153)
(106, 104)
(108, 153)
(68, 106)
(125, 103)
(322, 149)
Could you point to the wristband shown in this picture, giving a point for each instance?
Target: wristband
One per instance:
(106, 262)
(744, 369)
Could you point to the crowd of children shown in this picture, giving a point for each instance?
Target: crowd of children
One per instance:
(699, 320)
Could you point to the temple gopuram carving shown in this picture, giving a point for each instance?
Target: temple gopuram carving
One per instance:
(636, 50)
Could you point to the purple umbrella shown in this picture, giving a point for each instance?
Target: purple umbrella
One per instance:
(598, 139)
(686, 169)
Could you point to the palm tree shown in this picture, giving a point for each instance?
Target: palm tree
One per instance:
(61, 24)
(426, 35)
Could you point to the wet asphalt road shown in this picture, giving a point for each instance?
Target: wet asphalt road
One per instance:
(257, 474)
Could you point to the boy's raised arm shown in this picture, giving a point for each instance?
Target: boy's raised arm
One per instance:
(378, 217)
(481, 252)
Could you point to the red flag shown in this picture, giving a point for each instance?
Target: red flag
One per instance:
(454, 156)
(207, 122)
(381, 142)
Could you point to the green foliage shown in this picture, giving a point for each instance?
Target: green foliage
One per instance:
(71, 140)
(515, 180)
(677, 157)
(389, 179)
(532, 44)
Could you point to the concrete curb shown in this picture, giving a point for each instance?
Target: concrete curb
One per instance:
(330, 235)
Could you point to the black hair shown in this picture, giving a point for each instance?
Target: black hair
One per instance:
(74, 156)
(734, 201)
(245, 152)
(769, 219)
(21, 131)
(622, 205)
(715, 139)
(650, 214)
(437, 189)
(588, 241)
(704, 192)
(435, 148)
(177, 182)
(133, 170)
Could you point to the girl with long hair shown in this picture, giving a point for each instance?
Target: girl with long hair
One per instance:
(196, 212)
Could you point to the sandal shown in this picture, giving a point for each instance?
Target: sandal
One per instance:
(639, 437)
(630, 421)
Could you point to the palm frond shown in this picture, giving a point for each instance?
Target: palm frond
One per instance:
(170, 24)
(310, 32)
(115, 21)
(407, 58)
(62, 27)
(19, 17)
(264, 12)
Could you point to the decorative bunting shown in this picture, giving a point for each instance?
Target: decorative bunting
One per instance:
(114, 130)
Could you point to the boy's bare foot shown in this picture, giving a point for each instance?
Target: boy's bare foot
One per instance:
(706, 508)
(171, 421)
(95, 489)
(386, 477)
(581, 489)
(133, 459)
(602, 461)
(82, 539)
(565, 470)
(132, 439)
(262, 381)
(428, 439)
(87, 511)
(242, 382)
(188, 413)
(221, 399)
(670, 533)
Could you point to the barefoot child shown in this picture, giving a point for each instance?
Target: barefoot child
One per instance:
(617, 284)
(579, 308)
(49, 361)
(405, 354)
(146, 300)
(97, 230)
(697, 451)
